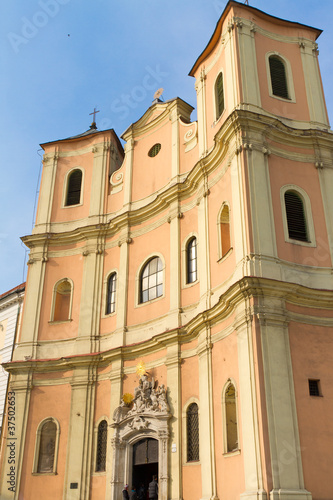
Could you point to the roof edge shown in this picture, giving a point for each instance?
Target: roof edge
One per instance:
(219, 23)
(82, 136)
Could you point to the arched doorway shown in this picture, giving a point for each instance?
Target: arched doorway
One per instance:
(141, 440)
(145, 462)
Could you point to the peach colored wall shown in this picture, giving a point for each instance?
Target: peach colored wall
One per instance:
(190, 379)
(320, 313)
(189, 345)
(85, 163)
(56, 269)
(298, 110)
(192, 482)
(224, 366)
(46, 402)
(304, 175)
(97, 486)
(308, 344)
(157, 241)
(102, 399)
(151, 174)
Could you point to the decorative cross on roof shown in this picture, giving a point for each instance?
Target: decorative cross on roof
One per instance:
(94, 113)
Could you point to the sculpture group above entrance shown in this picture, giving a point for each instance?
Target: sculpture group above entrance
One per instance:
(148, 398)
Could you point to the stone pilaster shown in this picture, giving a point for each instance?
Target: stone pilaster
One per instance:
(313, 84)
(14, 434)
(79, 441)
(206, 417)
(248, 407)
(174, 384)
(200, 87)
(98, 180)
(286, 462)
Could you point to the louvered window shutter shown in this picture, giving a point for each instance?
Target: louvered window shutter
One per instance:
(219, 94)
(278, 77)
(295, 217)
(74, 188)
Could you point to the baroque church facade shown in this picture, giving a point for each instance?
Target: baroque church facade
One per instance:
(178, 310)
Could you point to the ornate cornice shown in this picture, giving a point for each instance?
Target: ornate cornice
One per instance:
(247, 288)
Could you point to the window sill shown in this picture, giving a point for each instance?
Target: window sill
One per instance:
(193, 462)
(44, 473)
(300, 242)
(60, 322)
(283, 99)
(73, 206)
(109, 315)
(232, 453)
(100, 473)
(141, 304)
(189, 285)
(221, 259)
(215, 122)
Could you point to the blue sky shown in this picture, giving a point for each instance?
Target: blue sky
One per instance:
(61, 58)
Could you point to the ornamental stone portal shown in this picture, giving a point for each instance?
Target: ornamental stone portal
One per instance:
(145, 417)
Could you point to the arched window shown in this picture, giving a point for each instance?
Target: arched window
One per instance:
(151, 280)
(192, 428)
(219, 96)
(46, 447)
(191, 261)
(111, 294)
(62, 301)
(225, 231)
(230, 415)
(278, 77)
(102, 436)
(297, 228)
(74, 183)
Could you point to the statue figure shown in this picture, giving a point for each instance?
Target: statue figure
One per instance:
(162, 399)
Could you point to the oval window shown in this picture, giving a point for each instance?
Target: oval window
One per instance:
(154, 150)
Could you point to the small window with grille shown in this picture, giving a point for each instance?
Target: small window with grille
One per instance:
(219, 96)
(102, 435)
(192, 261)
(231, 418)
(192, 424)
(278, 77)
(111, 294)
(48, 435)
(296, 221)
(154, 150)
(314, 387)
(74, 183)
